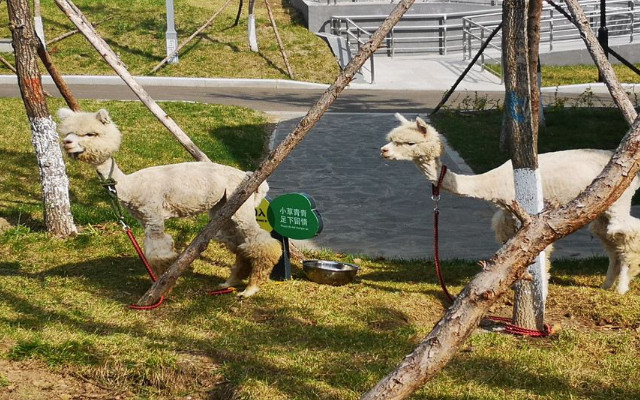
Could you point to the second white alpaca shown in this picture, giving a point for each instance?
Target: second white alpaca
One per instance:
(564, 174)
(153, 195)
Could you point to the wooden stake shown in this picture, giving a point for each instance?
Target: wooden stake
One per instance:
(275, 30)
(73, 32)
(189, 39)
(76, 16)
(168, 280)
(8, 64)
(57, 78)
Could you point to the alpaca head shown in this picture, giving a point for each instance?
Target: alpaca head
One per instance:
(88, 137)
(413, 140)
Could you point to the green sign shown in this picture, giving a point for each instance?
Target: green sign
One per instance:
(293, 215)
(261, 215)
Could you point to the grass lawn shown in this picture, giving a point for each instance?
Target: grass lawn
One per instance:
(476, 135)
(135, 31)
(558, 75)
(63, 302)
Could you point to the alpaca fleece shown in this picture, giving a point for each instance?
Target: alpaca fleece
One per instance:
(564, 175)
(153, 195)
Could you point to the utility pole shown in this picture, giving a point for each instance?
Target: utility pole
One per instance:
(171, 34)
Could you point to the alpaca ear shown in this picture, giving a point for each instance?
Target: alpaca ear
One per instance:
(422, 126)
(103, 116)
(400, 118)
(64, 113)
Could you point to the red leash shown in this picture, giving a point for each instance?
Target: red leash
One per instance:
(508, 326)
(136, 246)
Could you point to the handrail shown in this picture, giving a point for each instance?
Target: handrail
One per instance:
(444, 33)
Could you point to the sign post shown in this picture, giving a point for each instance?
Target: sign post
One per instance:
(289, 216)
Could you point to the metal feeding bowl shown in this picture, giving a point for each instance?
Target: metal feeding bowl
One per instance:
(329, 272)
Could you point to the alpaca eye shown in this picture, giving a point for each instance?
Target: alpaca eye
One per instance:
(411, 143)
(91, 134)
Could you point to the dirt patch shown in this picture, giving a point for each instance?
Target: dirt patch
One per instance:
(32, 380)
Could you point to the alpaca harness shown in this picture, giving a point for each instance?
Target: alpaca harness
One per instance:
(508, 326)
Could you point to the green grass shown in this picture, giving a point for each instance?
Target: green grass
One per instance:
(476, 135)
(63, 301)
(558, 75)
(135, 31)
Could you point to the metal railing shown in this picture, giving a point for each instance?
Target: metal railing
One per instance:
(464, 32)
(413, 34)
(623, 24)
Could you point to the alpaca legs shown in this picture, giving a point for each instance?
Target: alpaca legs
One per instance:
(256, 251)
(158, 248)
(620, 236)
(264, 254)
(239, 272)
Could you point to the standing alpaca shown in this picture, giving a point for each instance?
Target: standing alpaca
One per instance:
(153, 195)
(564, 175)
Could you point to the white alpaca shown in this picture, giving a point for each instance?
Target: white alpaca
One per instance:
(564, 173)
(153, 195)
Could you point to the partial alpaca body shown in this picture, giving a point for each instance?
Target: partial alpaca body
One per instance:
(564, 173)
(153, 195)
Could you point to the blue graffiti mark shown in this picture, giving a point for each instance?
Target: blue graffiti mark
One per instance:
(515, 105)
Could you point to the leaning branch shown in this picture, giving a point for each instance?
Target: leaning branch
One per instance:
(76, 16)
(275, 158)
(57, 77)
(280, 44)
(73, 32)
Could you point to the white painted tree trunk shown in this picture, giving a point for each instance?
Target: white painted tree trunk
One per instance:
(53, 175)
(531, 295)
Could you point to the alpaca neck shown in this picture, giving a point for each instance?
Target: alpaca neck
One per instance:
(110, 170)
(490, 186)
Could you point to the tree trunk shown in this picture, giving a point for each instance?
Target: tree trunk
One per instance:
(533, 38)
(275, 158)
(251, 27)
(112, 59)
(55, 184)
(520, 132)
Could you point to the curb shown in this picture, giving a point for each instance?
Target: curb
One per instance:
(114, 80)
